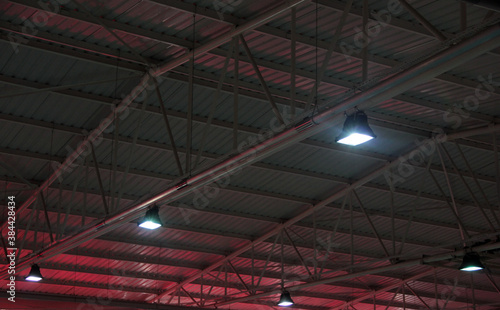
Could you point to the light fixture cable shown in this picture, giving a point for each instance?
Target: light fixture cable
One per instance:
(189, 134)
(282, 264)
(316, 84)
(285, 298)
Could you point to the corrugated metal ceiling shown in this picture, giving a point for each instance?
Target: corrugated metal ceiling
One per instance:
(89, 55)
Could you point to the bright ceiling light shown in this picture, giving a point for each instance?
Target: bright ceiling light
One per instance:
(285, 300)
(152, 219)
(355, 139)
(356, 130)
(471, 262)
(34, 274)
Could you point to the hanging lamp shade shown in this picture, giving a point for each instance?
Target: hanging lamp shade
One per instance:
(285, 299)
(356, 130)
(152, 219)
(35, 275)
(471, 262)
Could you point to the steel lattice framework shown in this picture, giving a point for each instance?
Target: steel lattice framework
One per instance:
(224, 114)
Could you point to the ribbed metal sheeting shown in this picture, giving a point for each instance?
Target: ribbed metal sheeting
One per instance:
(40, 128)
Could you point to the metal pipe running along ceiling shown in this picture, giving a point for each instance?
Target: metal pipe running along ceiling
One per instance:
(447, 59)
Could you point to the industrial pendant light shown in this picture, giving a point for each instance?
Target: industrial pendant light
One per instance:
(285, 299)
(356, 130)
(34, 274)
(471, 262)
(152, 219)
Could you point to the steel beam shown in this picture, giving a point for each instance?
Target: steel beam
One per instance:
(99, 179)
(418, 296)
(263, 83)
(374, 230)
(423, 20)
(167, 126)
